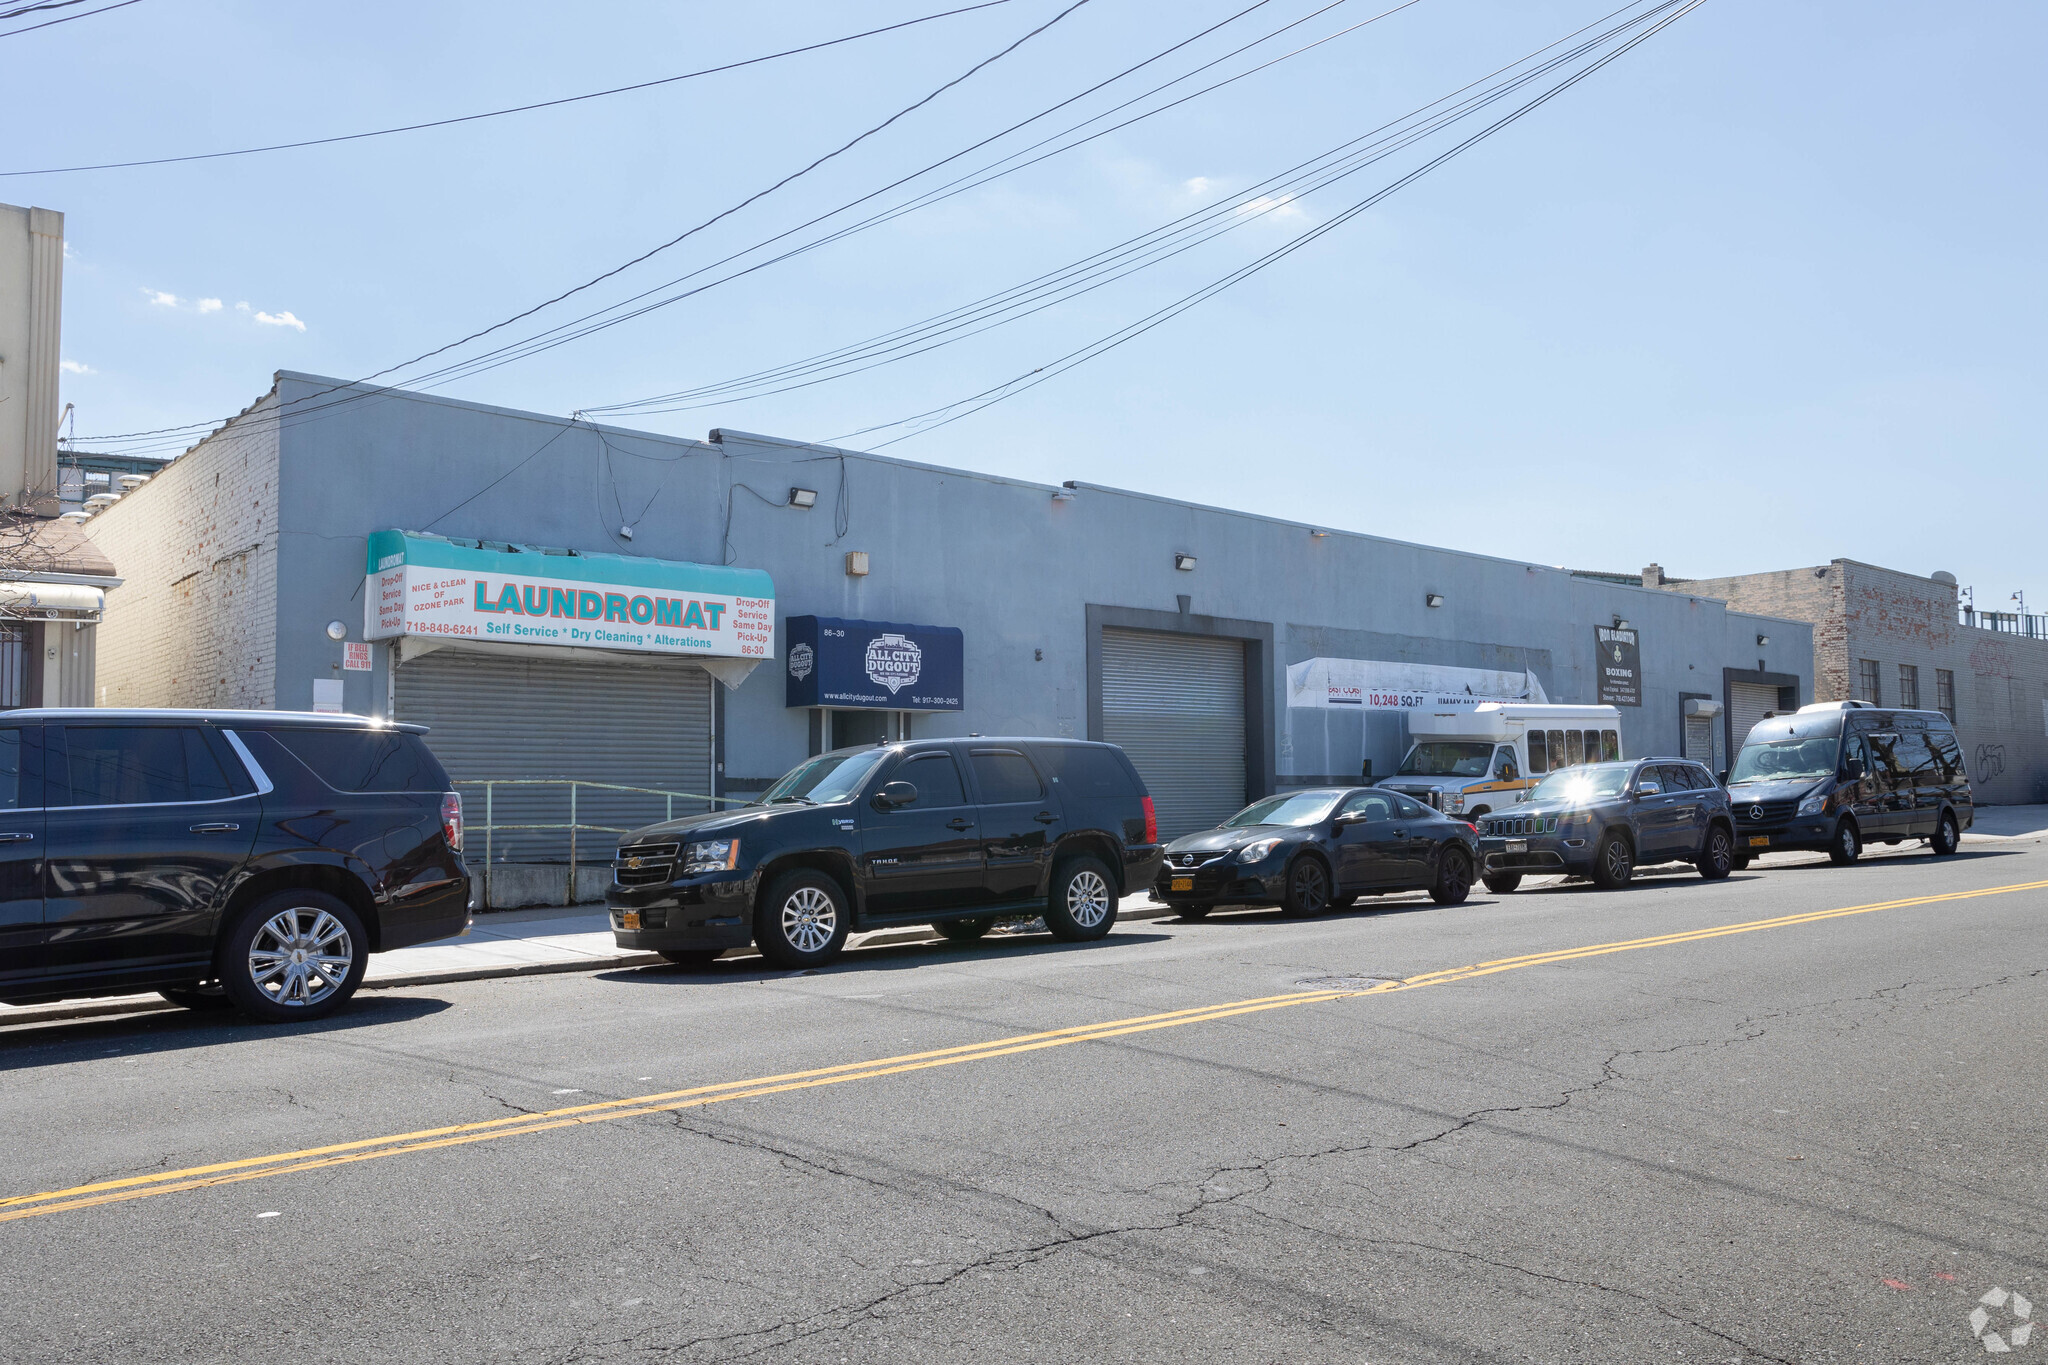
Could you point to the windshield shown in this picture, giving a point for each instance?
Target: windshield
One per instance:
(825, 779)
(1587, 782)
(1791, 760)
(1447, 758)
(1295, 808)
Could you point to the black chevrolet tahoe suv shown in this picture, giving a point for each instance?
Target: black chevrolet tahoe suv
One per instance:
(250, 859)
(1605, 820)
(954, 833)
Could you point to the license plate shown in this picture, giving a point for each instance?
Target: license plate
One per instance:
(1182, 884)
(630, 920)
(1518, 845)
(1759, 841)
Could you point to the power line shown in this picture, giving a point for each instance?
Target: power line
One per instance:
(500, 113)
(933, 418)
(51, 23)
(196, 427)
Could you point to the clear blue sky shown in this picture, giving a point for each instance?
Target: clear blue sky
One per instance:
(1666, 317)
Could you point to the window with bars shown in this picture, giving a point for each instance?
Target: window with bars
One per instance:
(1868, 687)
(17, 651)
(1909, 686)
(1945, 693)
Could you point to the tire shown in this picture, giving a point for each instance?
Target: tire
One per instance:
(963, 930)
(1190, 911)
(1345, 901)
(1717, 855)
(696, 959)
(1082, 903)
(1501, 883)
(296, 954)
(1308, 888)
(1847, 845)
(1453, 877)
(802, 921)
(204, 998)
(1947, 838)
(1614, 863)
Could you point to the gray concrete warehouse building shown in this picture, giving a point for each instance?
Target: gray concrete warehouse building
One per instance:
(566, 601)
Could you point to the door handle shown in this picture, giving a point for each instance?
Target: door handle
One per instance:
(216, 827)
(14, 838)
(1045, 817)
(959, 824)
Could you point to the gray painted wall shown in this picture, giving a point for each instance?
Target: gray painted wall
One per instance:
(1017, 569)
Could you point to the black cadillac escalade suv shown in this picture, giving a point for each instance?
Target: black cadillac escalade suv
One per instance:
(954, 833)
(252, 859)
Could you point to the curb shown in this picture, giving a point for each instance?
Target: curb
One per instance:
(151, 1004)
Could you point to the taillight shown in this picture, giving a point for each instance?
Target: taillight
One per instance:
(451, 819)
(1151, 821)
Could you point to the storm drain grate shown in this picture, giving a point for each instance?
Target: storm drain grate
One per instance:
(1345, 983)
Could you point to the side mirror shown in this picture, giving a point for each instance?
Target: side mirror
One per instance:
(1649, 789)
(1853, 769)
(895, 794)
(1522, 795)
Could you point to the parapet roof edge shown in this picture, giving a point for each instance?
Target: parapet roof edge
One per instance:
(442, 400)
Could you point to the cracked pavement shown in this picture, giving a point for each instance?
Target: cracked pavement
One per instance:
(1818, 1143)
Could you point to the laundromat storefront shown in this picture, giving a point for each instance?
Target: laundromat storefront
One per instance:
(534, 666)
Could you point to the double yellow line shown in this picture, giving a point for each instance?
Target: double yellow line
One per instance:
(519, 1125)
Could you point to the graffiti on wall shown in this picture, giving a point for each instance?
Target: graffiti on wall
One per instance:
(1990, 762)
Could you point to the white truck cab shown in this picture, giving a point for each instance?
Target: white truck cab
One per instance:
(1468, 763)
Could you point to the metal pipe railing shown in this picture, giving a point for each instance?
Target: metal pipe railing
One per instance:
(575, 824)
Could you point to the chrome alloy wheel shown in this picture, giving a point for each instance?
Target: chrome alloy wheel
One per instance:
(1087, 898)
(301, 956)
(809, 919)
(1619, 864)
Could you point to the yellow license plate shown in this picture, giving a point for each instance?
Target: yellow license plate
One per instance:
(630, 920)
(1759, 841)
(1183, 884)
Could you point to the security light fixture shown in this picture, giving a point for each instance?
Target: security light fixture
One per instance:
(1432, 599)
(1062, 495)
(1762, 640)
(1318, 535)
(1185, 563)
(336, 631)
(803, 497)
(625, 533)
(1621, 623)
(856, 563)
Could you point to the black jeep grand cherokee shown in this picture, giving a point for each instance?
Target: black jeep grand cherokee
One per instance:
(245, 858)
(953, 833)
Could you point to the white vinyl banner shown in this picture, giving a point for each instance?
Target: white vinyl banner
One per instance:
(1379, 685)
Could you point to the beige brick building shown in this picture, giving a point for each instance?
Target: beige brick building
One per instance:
(1900, 639)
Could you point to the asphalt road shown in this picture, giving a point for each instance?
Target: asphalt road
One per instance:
(1824, 1139)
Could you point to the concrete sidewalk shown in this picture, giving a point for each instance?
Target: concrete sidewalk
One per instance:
(502, 943)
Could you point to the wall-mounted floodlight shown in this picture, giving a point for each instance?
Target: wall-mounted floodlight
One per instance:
(1762, 640)
(803, 497)
(1319, 535)
(1062, 495)
(1432, 599)
(1620, 623)
(1185, 563)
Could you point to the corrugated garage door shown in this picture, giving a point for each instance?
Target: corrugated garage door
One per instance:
(1747, 703)
(1699, 739)
(492, 716)
(1176, 705)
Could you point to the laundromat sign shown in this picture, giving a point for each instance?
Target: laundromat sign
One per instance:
(431, 586)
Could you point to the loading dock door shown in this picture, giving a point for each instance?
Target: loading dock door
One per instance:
(1747, 703)
(496, 716)
(1176, 705)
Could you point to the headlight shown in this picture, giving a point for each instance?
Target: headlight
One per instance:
(1814, 804)
(1455, 801)
(716, 855)
(1252, 853)
(1575, 817)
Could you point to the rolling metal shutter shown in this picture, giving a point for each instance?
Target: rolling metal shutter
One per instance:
(630, 723)
(1699, 739)
(1176, 705)
(1747, 703)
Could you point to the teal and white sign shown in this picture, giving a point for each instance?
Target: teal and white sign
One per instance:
(433, 587)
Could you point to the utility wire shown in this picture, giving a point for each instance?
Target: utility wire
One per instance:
(51, 23)
(500, 113)
(365, 382)
(934, 418)
(1134, 254)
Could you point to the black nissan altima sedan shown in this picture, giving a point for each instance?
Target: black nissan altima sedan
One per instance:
(1309, 851)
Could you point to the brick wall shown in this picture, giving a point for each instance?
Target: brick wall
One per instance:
(1811, 594)
(194, 622)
